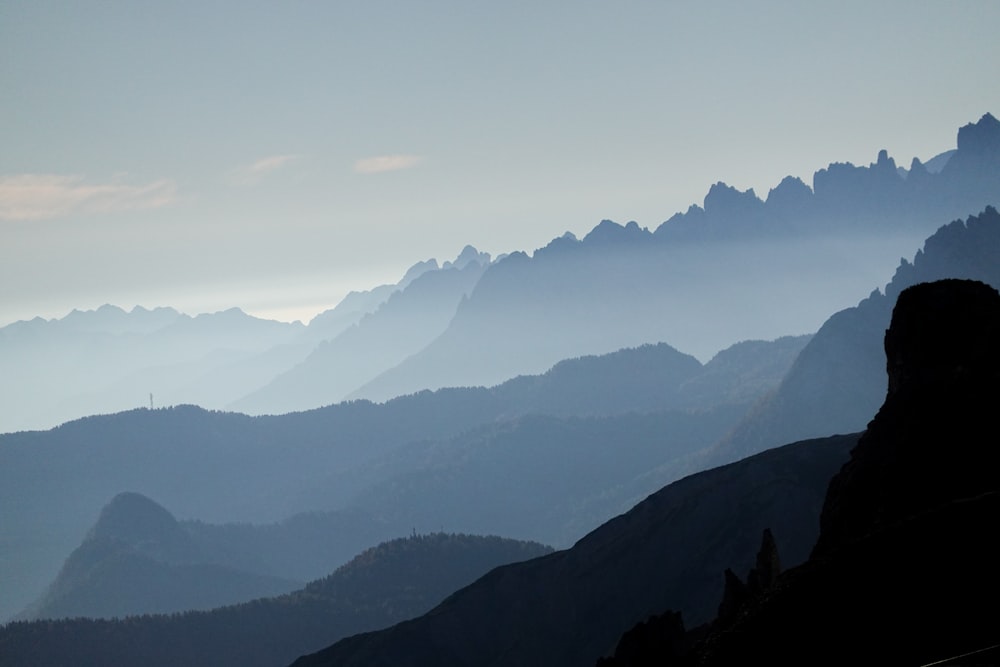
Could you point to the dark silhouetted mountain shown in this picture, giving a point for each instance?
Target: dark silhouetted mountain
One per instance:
(905, 560)
(838, 380)
(570, 607)
(384, 585)
(408, 320)
(138, 559)
(225, 467)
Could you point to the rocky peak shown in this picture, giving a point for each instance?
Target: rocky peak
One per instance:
(982, 137)
(928, 445)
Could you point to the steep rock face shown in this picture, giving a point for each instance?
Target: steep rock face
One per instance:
(903, 560)
(928, 444)
(838, 381)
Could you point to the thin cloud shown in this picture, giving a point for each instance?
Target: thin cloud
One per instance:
(383, 163)
(44, 196)
(254, 172)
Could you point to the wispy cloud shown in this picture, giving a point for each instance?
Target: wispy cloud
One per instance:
(43, 196)
(382, 163)
(254, 172)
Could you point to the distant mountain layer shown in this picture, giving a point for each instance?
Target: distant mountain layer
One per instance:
(408, 320)
(703, 280)
(739, 268)
(383, 585)
(226, 467)
(107, 360)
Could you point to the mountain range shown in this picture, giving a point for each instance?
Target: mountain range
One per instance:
(267, 502)
(385, 584)
(701, 281)
(329, 463)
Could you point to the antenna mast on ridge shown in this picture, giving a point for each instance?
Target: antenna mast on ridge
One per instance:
(150, 400)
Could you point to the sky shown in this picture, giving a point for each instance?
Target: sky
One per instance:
(275, 155)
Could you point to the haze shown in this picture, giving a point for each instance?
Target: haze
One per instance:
(275, 156)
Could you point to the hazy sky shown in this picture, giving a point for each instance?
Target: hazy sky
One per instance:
(273, 155)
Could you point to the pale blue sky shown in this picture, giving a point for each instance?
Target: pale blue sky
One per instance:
(272, 155)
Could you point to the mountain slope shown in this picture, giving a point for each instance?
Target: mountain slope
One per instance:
(568, 608)
(404, 323)
(227, 467)
(137, 559)
(838, 380)
(903, 562)
(385, 584)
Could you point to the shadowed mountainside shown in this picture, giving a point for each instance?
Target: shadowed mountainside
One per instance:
(904, 561)
(226, 467)
(838, 380)
(137, 559)
(570, 607)
(383, 585)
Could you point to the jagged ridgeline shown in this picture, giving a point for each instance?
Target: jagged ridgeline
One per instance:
(545, 457)
(394, 581)
(706, 278)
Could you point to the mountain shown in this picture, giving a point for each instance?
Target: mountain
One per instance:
(225, 468)
(408, 320)
(896, 573)
(838, 380)
(902, 561)
(570, 607)
(137, 559)
(707, 278)
(396, 580)
(109, 360)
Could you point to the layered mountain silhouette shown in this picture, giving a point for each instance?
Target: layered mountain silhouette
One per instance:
(137, 559)
(107, 360)
(396, 580)
(701, 281)
(222, 468)
(838, 381)
(902, 563)
(900, 559)
(707, 278)
(406, 322)
(570, 607)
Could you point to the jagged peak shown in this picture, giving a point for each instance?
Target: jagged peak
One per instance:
(981, 136)
(611, 231)
(416, 271)
(468, 256)
(790, 187)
